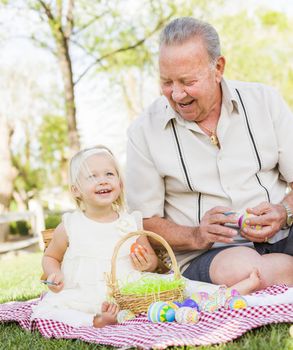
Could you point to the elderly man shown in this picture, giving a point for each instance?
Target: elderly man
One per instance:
(206, 150)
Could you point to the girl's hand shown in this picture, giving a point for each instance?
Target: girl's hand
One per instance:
(56, 282)
(141, 259)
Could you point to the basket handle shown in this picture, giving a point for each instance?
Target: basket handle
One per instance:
(155, 236)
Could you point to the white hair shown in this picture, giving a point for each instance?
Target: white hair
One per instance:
(183, 29)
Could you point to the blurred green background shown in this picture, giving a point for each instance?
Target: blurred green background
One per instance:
(75, 74)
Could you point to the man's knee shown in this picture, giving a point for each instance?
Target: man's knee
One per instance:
(233, 265)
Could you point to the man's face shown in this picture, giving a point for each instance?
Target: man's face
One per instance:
(189, 80)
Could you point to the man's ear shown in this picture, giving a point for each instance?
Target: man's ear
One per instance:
(220, 68)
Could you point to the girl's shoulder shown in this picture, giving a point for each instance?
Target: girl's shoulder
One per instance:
(72, 220)
(72, 215)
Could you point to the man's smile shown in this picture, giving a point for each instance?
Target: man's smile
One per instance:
(183, 105)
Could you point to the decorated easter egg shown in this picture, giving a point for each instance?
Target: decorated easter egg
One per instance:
(231, 292)
(190, 303)
(125, 315)
(170, 315)
(173, 304)
(196, 297)
(160, 311)
(153, 310)
(166, 314)
(186, 315)
(235, 303)
(242, 221)
(201, 298)
(204, 295)
(212, 305)
(137, 249)
(219, 296)
(222, 294)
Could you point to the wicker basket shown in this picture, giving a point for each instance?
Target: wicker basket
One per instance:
(47, 236)
(140, 303)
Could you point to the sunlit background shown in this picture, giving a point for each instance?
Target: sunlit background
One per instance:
(113, 53)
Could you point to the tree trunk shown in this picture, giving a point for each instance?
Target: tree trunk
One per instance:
(130, 95)
(7, 173)
(67, 76)
(61, 34)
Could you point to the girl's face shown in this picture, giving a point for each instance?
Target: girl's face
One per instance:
(98, 181)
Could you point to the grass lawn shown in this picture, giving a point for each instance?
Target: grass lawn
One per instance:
(20, 281)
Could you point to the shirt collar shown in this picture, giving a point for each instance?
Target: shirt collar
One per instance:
(229, 99)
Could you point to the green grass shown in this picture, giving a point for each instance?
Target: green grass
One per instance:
(20, 277)
(19, 280)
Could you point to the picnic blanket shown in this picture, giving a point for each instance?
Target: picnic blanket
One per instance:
(213, 328)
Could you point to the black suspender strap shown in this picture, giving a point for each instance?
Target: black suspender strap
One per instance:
(254, 145)
(181, 156)
(185, 169)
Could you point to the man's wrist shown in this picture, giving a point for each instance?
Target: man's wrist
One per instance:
(289, 215)
(199, 242)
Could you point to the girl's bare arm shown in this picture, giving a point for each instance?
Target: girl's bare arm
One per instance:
(53, 257)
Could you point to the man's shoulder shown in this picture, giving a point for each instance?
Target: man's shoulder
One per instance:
(250, 87)
(258, 96)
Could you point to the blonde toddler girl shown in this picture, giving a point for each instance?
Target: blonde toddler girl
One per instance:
(82, 245)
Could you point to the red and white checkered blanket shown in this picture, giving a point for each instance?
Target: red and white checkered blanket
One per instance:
(218, 327)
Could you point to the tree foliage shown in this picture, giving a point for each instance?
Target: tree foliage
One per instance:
(258, 49)
(54, 149)
(118, 38)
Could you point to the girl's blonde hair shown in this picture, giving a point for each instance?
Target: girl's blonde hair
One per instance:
(76, 164)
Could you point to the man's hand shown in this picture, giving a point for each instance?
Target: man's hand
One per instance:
(271, 218)
(212, 229)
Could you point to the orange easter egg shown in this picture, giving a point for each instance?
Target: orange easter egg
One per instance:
(137, 249)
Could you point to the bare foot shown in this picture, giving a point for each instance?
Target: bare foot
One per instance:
(108, 316)
(254, 280)
(249, 284)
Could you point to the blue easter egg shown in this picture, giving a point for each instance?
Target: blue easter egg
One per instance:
(170, 315)
(161, 313)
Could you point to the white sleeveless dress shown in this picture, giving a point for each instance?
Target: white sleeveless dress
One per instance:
(86, 260)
